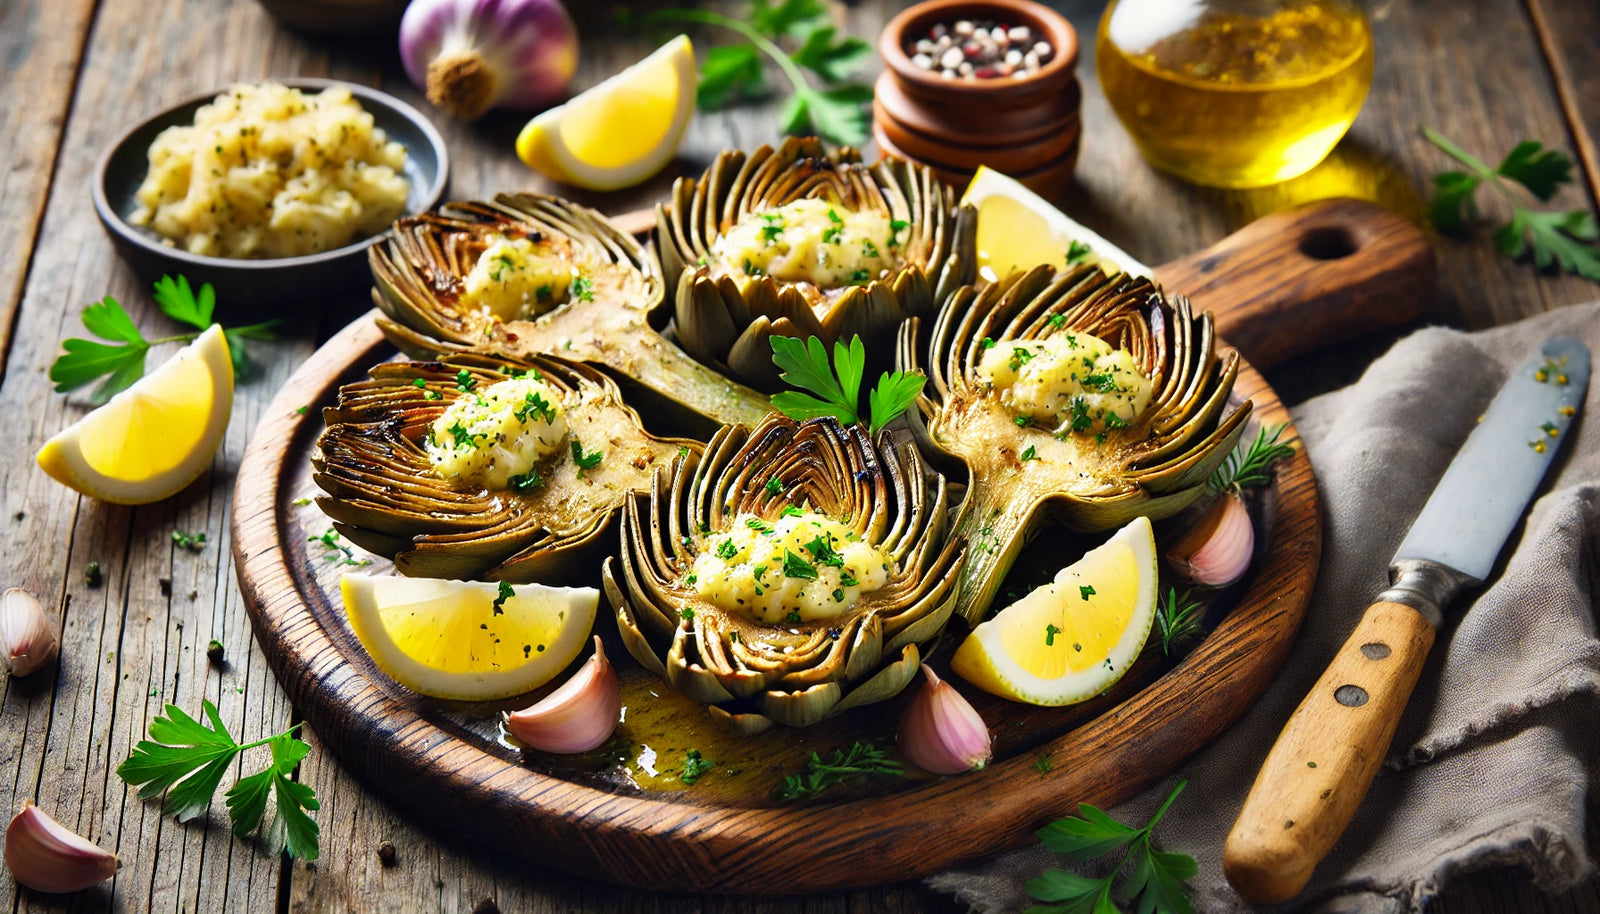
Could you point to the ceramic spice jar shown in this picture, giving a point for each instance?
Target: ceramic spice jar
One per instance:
(981, 82)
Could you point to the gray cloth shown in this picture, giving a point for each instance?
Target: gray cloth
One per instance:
(1492, 761)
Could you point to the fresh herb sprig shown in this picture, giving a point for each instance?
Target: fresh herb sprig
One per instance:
(336, 552)
(1566, 239)
(1154, 885)
(862, 759)
(186, 759)
(194, 542)
(694, 765)
(1177, 619)
(1248, 469)
(804, 364)
(120, 361)
(833, 112)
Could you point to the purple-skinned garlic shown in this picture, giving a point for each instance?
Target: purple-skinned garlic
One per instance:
(578, 716)
(941, 732)
(1216, 551)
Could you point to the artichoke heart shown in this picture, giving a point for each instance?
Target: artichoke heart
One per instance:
(799, 241)
(796, 511)
(474, 467)
(1080, 396)
(529, 275)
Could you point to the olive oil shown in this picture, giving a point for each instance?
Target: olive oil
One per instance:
(1235, 93)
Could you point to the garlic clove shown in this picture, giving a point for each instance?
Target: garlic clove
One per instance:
(1217, 550)
(578, 716)
(941, 732)
(27, 636)
(46, 856)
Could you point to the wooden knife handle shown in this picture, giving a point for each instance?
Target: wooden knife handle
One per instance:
(1305, 278)
(1326, 756)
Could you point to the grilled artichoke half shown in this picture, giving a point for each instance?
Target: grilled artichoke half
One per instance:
(801, 242)
(857, 636)
(529, 275)
(1109, 458)
(397, 488)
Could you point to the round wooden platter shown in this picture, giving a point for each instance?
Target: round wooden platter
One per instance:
(446, 764)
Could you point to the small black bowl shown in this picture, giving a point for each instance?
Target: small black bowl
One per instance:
(281, 281)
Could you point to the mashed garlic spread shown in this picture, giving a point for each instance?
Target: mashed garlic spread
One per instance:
(1071, 382)
(267, 171)
(800, 567)
(813, 241)
(516, 278)
(493, 436)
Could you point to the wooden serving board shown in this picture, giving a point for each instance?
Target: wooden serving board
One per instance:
(1285, 284)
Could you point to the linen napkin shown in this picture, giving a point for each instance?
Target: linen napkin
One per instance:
(1492, 762)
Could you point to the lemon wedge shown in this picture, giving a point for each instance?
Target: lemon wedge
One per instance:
(459, 640)
(1069, 640)
(1018, 229)
(620, 132)
(153, 439)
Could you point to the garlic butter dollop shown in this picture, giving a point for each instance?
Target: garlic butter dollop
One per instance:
(801, 567)
(1071, 382)
(494, 435)
(813, 241)
(515, 278)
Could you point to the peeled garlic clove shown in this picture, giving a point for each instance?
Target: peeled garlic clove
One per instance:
(941, 732)
(46, 856)
(1217, 550)
(27, 636)
(578, 716)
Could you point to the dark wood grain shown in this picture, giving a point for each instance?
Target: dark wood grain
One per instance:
(1486, 72)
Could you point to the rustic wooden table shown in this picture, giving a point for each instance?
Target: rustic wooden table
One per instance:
(77, 72)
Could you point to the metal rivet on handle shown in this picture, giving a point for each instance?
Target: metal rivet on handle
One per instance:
(1352, 696)
(1375, 650)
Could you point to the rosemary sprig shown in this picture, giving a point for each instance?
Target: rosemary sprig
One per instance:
(861, 759)
(1247, 470)
(1177, 619)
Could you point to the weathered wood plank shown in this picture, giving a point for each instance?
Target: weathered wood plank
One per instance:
(1570, 35)
(41, 45)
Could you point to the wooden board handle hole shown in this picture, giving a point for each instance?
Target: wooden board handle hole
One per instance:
(1328, 242)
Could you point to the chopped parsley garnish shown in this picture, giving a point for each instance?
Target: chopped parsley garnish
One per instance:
(537, 406)
(1050, 633)
(1022, 421)
(726, 549)
(582, 288)
(986, 343)
(1058, 321)
(525, 482)
(791, 511)
(1019, 357)
(1030, 453)
(774, 486)
(506, 593)
(194, 541)
(773, 227)
(1086, 591)
(1101, 382)
(868, 249)
(460, 438)
(686, 612)
(758, 571)
(824, 553)
(859, 276)
(694, 766)
(1078, 252)
(690, 578)
(1081, 419)
(465, 381)
(838, 595)
(542, 293)
(757, 524)
(585, 461)
(796, 567)
(793, 616)
(849, 580)
(419, 382)
(834, 218)
(751, 269)
(1112, 420)
(896, 226)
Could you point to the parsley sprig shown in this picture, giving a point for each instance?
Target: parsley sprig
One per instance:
(120, 360)
(1246, 470)
(833, 112)
(805, 365)
(860, 760)
(186, 759)
(1154, 884)
(1566, 239)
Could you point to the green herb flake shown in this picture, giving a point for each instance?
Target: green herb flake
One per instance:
(504, 593)
(694, 766)
(796, 567)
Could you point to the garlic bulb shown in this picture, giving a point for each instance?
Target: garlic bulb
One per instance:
(27, 635)
(578, 716)
(941, 732)
(473, 55)
(1217, 550)
(46, 856)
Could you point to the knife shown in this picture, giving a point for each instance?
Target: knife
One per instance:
(1325, 758)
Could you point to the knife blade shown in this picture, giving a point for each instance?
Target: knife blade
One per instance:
(1329, 750)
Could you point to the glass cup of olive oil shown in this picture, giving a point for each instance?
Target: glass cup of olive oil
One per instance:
(1235, 93)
